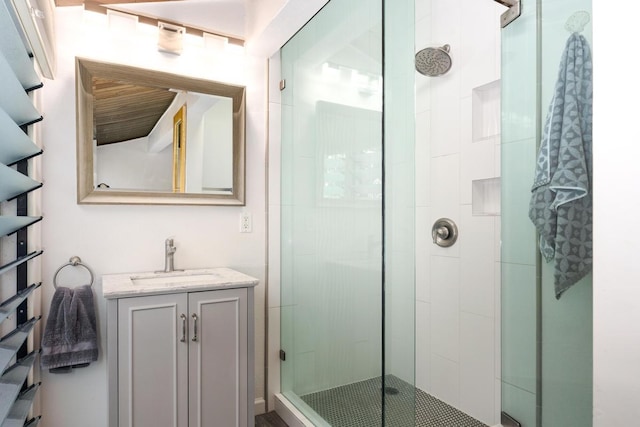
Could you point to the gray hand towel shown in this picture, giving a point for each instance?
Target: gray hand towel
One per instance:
(70, 337)
(561, 202)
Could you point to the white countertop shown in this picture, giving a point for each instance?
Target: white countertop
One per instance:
(138, 284)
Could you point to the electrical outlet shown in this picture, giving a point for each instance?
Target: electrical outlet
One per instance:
(245, 222)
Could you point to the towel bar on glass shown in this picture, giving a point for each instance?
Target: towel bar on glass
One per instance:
(74, 261)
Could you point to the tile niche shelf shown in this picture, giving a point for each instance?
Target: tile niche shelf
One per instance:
(485, 102)
(485, 196)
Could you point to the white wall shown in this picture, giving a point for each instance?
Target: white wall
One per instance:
(271, 23)
(217, 156)
(129, 164)
(457, 288)
(116, 238)
(616, 294)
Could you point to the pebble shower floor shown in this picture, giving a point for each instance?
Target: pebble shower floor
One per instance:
(359, 405)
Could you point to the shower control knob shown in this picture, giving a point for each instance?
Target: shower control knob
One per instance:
(444, 232)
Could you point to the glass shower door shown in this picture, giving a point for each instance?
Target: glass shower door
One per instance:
(546, 342)
(347, 227)
(331, 223)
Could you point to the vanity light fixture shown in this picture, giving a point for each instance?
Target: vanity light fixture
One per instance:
(170, 38)
(119, 21)
(214, 41)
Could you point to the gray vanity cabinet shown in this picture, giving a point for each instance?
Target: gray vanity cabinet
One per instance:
(183, 359)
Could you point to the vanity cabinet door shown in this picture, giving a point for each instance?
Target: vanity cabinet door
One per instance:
(152, 361)
(218, 358)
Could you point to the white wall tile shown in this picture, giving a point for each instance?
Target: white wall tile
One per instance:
(477, 269)
(479, 28)
(423, 159)
(462, 278)
(496, 162)
(446, 21)
(476, 367)
(445, 115)
(423, 93)
(424, 32)
(422, 9)
(497, 238)
(497, 321)
(445, 300)
(466, 120)
(423, 345)
(445, 182)
(445, 380)
(423, 254)
(476, 162)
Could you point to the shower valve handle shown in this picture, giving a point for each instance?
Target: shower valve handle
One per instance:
(444, 232)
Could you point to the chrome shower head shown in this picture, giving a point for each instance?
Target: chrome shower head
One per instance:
(433, 61)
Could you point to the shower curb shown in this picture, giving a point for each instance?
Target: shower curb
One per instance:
(289, 413)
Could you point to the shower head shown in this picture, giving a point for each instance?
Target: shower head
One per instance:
(433, 61)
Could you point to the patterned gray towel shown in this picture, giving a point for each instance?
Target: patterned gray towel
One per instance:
(70, 336)
(561, 202)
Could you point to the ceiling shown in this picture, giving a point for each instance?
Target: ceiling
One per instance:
(117, 117)
(125, 111)
(220, 17)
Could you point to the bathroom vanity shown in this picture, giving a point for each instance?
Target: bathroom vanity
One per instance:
(180, 348)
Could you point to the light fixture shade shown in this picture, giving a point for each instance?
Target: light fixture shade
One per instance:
(170, 38)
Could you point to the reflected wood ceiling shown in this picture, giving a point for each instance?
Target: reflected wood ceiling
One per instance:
(123, 111)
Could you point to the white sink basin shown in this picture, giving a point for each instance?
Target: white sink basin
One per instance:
(172, 279)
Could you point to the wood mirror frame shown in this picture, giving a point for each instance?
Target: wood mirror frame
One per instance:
(86, 69)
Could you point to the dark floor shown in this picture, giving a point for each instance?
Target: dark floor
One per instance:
(270, 419)
(359, 405)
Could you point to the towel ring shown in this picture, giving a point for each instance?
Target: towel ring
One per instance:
(74, 261)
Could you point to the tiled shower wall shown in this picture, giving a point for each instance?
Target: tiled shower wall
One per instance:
(457, 143)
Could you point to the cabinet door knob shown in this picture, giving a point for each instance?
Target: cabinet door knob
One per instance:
(195, 327)
(184, 328)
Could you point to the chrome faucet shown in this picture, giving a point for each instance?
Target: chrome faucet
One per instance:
(169, 250)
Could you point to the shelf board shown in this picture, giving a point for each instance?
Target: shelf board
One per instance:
(20, 409)
(11, 383)
(14, 50)
(33, 423)
(10, 305)
(14, 99)
(11, 224)
(14, 183)
(11, 343)
(15, 145)
(19, 261)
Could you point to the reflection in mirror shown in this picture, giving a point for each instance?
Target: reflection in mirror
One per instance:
(157, 138)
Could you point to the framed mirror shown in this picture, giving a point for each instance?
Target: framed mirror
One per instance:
(152, 137)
